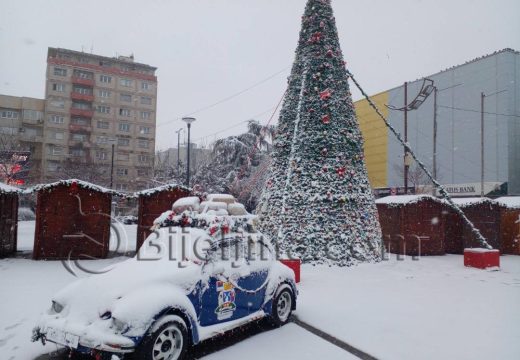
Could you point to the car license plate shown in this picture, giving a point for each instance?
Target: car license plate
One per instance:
(62, 338)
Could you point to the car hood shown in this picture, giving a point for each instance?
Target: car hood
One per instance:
(135, 290)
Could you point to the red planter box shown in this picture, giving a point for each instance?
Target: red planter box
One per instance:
(294, 265)
(481, 258)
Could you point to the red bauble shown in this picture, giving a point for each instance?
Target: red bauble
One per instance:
(341, 171)
(311, 110)
(330, 53)
(74, 188)
(325, 119)
(325, 94)
(317, 36)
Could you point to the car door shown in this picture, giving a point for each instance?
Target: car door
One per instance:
(233, 291)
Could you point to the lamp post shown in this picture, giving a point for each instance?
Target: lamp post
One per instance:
(188, 121)
(179, 150)
(112, 141)
(482, 98)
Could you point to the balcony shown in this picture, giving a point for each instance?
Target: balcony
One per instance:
(82, 112)
(82, 81)
(80, 128)
(31, 138)
(82, 97)
(32, 121)
(79, 144)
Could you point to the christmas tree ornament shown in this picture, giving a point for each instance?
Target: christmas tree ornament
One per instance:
(326, 201)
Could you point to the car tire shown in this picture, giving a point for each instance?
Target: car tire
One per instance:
(282, 308)
(170, 339)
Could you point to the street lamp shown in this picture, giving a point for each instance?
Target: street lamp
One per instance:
(112, 141)
(426, 90)
(188, 121)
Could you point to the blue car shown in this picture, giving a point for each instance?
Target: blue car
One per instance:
(183, 286)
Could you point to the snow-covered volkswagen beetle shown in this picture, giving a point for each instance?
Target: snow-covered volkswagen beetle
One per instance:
(182, 287)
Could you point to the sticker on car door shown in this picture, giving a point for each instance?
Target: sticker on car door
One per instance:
(226, 300)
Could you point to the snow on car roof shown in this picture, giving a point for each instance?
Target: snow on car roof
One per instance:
(511, 202)
(8, 189)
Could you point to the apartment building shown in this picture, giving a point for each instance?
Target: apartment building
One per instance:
(96, 106)
(21, 139)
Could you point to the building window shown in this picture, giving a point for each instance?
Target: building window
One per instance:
(83, 74)
(32, 114)
(102, 140)
(52, 166)
(146, 100)
(81, 105)
(105, 79)
(79, 137)
(60, 104)
(80, 121)
(59, 136)
(145, 115)
(123, 142)
(57, 150)
(144, 130)
(56, 119)
(60, 71)
(103, 124)
(122, 172)
(103, 109)
(125, 112)
(125, 97)
(82, 90)
(58, 87)
(124, 127)
(145, 86)
(77, 152)
(142, 172)
(121, 187)
(8, 114)
(144, 144)
(143, 158)
(123, 157)
(101, 155)
(104, 93)
(125, 82)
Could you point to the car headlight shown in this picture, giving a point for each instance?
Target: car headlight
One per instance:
(57, 307)
(119, 325)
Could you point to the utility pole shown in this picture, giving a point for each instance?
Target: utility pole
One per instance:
(482, 97)
(188, 121)
(179, 150)
(406, 166)
(434, 137)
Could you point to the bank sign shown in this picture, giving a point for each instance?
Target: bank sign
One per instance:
(471, 189)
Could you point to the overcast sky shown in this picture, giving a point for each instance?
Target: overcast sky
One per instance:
(209, 50)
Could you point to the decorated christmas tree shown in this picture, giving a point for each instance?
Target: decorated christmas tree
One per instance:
(317, 203)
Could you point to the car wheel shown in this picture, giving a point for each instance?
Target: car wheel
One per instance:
(168, 342)
(282, 308)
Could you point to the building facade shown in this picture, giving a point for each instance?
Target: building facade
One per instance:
(21, 138)
(458, 139)
(94, 104)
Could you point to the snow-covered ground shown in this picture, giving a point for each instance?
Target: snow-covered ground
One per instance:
(434, 308)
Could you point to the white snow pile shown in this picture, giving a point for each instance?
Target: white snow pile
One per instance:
(190, 203)
(226, 198)
(398, 200)
(7, 189)
(510, 202)
(471, 201)
(80, 183)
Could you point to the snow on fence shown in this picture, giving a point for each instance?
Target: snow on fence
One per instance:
(72, 221)
(154, 202)
(412, 224)
(8, 219)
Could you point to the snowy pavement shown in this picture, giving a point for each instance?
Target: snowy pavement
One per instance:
(434, 308)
